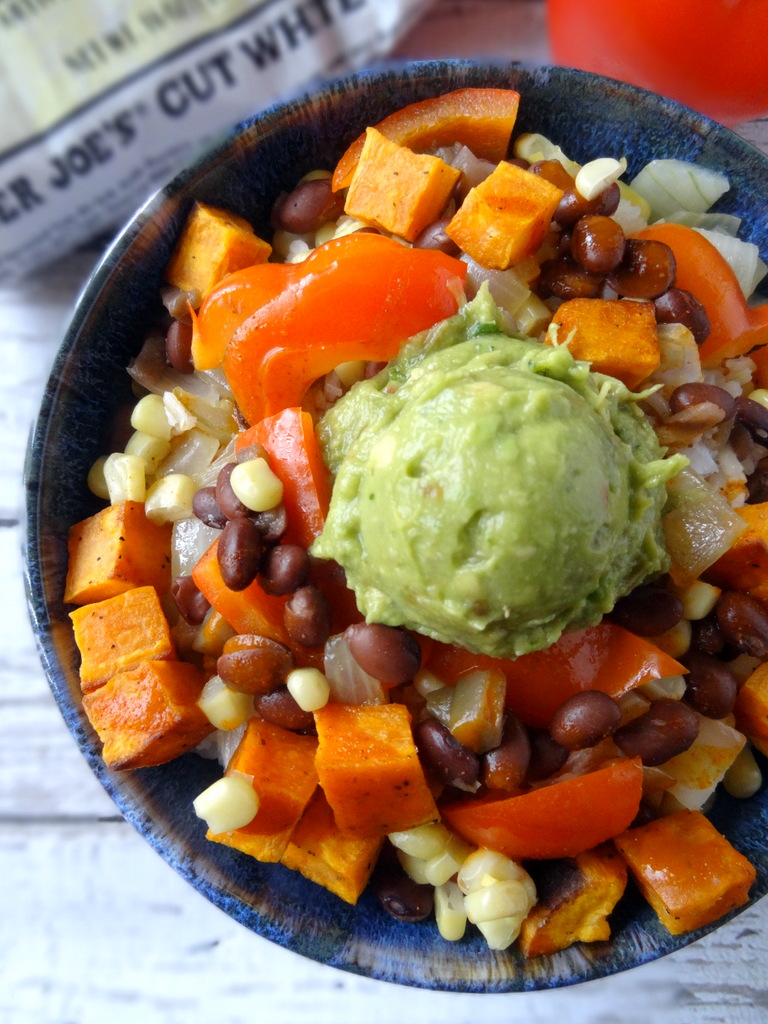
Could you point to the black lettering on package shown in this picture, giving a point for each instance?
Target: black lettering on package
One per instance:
(196, 85)
(17, 197)
(94, 149)
(288, 31)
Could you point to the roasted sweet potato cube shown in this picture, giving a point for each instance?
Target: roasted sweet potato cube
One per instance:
(214, 243)
(396, 189)
(369, 769)
(319, 851)
(115, 550)
(617, 336)
(687, 870)
(282, 766)
(120, 633)
(148, 715)
(574, 899)
(744, 566)
(506, 217)
(751, 708)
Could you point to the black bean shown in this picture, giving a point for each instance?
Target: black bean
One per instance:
(310, 205)
(547, 756)
(227, 500)
(284, 568)
(696, 393)
(271, 523)
(567, 279)
(711, 688)
(754, 418)
(308, 617)
(573, 205)
(206, 508)
(553, 172)
(444, 756)
(387, 653)
(239, 553)
(647, 270)
(649, 610)
(254, 664)
(193, 605)
(744, 622)
(757, 483)
(401, 897)
(678, 306)
(505, 767)
(665, 730)
(597, 243)
(178, 346)
(585, 719)
(434, 237)
(706, 635)
(280, 708)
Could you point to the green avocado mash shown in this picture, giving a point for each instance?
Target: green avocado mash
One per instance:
(491, 491)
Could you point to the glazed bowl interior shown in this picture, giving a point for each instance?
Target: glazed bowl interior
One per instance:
(587, 116)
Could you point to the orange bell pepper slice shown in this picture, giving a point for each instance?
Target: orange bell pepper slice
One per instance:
(735, 327)
(290, 441)
(559, 819)
(356, 297)
(603, 657)
(481, 119)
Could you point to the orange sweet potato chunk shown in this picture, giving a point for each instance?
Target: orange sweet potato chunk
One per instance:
(323, 854)
(120, 633)
(687, 870)
(574, 900)
(214, 243)
(616, 336)
(369, 769)
(505, 218)
(744, 566)
(751, 708)
(282, 765)
(148, 715)
(396, 189)
(115, 550)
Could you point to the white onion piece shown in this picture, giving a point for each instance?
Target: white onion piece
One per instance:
(506, 288)
(151, 371)
(473, 170)
(700, 526)
(349, 683)
(742, 257)
(228, 741)
(207, 477)
(192, 455)
(726, 223)
(190, 539)
(672, 185)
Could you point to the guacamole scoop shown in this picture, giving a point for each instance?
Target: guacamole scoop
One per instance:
(491, 491)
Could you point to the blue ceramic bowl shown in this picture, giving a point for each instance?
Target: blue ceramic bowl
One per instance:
(587, 116)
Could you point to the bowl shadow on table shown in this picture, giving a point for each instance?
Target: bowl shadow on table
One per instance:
(586, 115)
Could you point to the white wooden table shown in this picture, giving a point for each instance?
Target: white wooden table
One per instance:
(95, 927)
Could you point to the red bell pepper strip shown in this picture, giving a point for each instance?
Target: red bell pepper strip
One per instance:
(559, 819)
(356, 297)
(481, 119)
(735, 328)
(290, 441)
(603, 657)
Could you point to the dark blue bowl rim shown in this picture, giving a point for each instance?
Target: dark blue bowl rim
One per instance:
(136, 795)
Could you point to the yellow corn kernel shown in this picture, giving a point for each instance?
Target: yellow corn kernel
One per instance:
(532, 147)
(423, 841)
(502, 933)
(667, 688)
(212, 634)
(597, 175)
(743, 778)
(351, 372)
(230, 803)
(426, 682)
(148, 447)
(698, 598)
(444, 865)
(309, 688)
(256, 485)
(224, 708)
(676, 641)
(635, 199)
(450, 915)
(170, 498)
(532, 316)
(150, 417)
(760, 395)
(500, 899)
(414, 867)
(125, 477)
(483, 868)
(96, 482)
